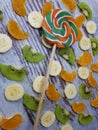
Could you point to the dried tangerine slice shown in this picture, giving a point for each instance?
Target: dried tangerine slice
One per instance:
(80, 20)
(15, 30)
(80, 35)
(85, 59)
(91, 81)
(52, 93)
(71, 5)
(94, 103)
(11, 123)
(19, 7)
(47, 7)
(78, 107)
(68, 76)
(94, 67)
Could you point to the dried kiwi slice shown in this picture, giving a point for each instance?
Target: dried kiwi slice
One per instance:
(30, 55)
(94, 44)
(61, 114)
(68, 54)
(85, 119)
(12, 72)
(1, 13)
(86, 10)
(31, 102)
(84, 91)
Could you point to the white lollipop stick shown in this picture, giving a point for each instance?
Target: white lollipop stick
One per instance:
(44, 87)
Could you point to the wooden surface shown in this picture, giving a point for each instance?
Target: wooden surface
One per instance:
(14, 57)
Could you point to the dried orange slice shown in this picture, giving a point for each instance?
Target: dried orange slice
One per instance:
(80, 35)
(52, 93)
(85, 59)
(68, 76)
(19, 7)
(71, 5)
(11, 123)
(94, 103)
(91, 81)
(78, 107)
(47, 7)
(80, 20)
(15, 30)
(94, 67)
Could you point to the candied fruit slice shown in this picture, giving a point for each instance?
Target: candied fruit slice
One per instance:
(80, 20)
(71, 5)
(15, 30)
(91, 81)
(52, 93)
(94, 67)
(47, 7)
(80, 35)
(85, 59)
(78, 107)
(11, 123)
(68, 76)
(19, 7)
(94, 103)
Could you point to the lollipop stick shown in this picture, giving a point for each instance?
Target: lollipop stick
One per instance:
(44, 87)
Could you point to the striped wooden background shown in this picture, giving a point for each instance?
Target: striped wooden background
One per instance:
(14, 57)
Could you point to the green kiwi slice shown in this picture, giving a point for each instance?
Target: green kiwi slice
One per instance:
(62, 115)
(68, 54)
(13, 73)
(1, 14)
(86, 10)
(30, 55)
(94, 44)
(85, 119)
(84, 91)
(31, 102)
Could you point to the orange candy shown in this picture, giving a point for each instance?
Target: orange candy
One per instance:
(71, 5)
(11, 123)
(80, 35)
(68, 76)
(15, 31)
(52, 93)
(91, 81)
(78, 107)
(80, 20)
(19, 7)
(94, 67)
(85, 59)
(94, 103)
(47, 7)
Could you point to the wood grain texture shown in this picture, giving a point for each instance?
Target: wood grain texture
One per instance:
(14, 57)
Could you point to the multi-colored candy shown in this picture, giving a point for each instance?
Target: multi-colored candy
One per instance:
(59, 28)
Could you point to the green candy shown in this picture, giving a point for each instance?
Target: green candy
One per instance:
(61, 114)
(85, 119)
(94, 44)
(31, 102)
(68, 54)
(84, 91)
(12, 73)
(31, 56)
(86, 10)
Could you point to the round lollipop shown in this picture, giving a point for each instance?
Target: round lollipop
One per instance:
(59, 29)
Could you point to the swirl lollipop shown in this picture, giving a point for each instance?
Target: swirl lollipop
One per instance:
(59, 29)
